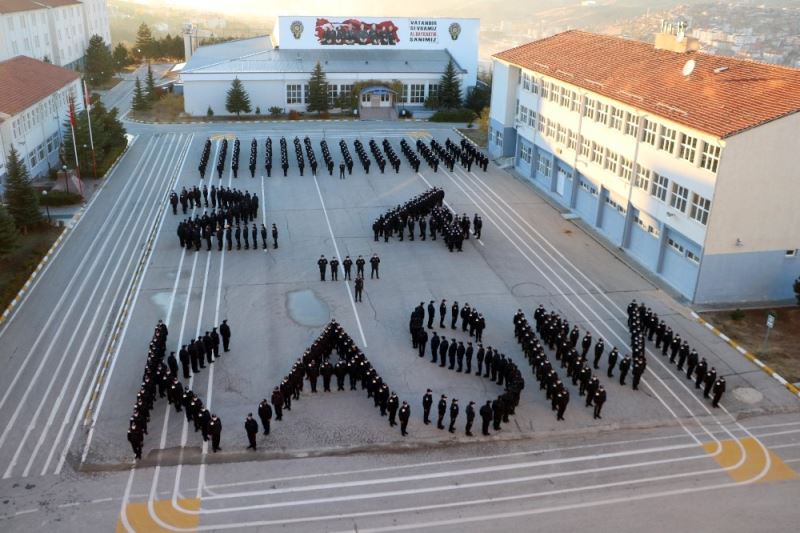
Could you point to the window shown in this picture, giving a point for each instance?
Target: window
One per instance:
(631, 125)
(49, 144)
(525, 153)
(523, 114)
(417, 93)
(498, 138)
(544, 166)
(564, 97)
(688, 147)
(404, 95)
(709, 159)
(333, 94)
(561, 134)
(647, 224)
(306, 90)
(667, 141)
(597, 153)
(588, 187)
(625, 169)
(575, 101)
(551, 128)
(617, 118)
(433, 90)
(650, 132)
(601, 116)
(676, 246)
(555, 91)
(534, 86)
(41, 152)
(572, 140)
(615, 205)
(611, 162)
(588, 108)
(532, 118)
(586, 147)
(293, 94)
(659, 188)
(32, 158)
(693, 257)
(526, 81)
(345, 90)
(791, 253)
(543, 124)
(545, 89)
(700, 208)
(678, 197)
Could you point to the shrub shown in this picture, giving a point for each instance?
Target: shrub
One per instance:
(406, 113)
(737, 315)
(258, 110)
(56, 198)
(454, 115)
(275, 111)
(210, 112)
(294, 115)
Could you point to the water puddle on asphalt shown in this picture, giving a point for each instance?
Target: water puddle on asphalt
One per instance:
(306, 309)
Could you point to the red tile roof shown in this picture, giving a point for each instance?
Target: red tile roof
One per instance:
(722, 96)
(14, 6)
(24, 81)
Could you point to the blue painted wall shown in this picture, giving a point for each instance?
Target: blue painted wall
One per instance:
(676, 268)
(742, 277)
(586, 206)
(613, 224)
(523, 167)
(643, 247)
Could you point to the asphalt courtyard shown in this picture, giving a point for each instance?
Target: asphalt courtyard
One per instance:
(76, 346)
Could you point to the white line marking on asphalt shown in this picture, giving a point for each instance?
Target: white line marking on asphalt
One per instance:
(101, 500)
(119, 344)
(43, 360)
(336, 248)
(123, 513)
(25, 511)
(70, 504)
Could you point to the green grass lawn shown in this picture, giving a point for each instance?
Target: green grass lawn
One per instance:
(16, 267)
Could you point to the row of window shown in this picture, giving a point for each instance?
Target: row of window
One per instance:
(656, 184)
(39, 153)
(47, 109)
(413, 93)
(665, 138)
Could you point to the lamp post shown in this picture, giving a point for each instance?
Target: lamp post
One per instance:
(66, 178)
(46, 206)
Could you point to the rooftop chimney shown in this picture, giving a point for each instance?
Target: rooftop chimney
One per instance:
(673, 37)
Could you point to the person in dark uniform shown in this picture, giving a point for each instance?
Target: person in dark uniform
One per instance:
(264, 236)
(334, 269)
(360, 266)
(711, 378)
(454, 315)
(277, 403)
(405, 413)
(612, 361)
(624, 366)
(431, 313)
(136, 438)
(422, 341)
(392, 404)
(453, 415)
(486, 417)
(599, 400)
(225, 333)
(561, 406)
(341, 171)
(322, 264)
(215, 429)
(265, 414)
(251, 428)
(598, 353)
(347, 264)
(427, 402)
(470, 418)
(359, 288)
(185, 361)
(374, 262)
(719, 390)
(442, 313)
(274, 236)
(442, 411)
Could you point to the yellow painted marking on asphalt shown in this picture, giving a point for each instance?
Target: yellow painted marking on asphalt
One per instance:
(140, 520)
(754, 463)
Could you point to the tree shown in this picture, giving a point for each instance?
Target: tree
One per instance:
(108, 136)
(120, 55)
(144, 42)
(8, 231)
(23, 202)
(99, 62)
(237, 101)
(450, 88)
(479, 97)
(150, 85)
(796, 288)
(140, 100)
(318, 91)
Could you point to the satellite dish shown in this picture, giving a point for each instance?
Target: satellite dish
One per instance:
(688, 68)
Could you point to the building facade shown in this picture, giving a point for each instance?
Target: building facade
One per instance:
(34, 104)
(685, 161)
(57, 31)
(275, 70)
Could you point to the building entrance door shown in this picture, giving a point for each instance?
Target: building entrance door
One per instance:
(561, 178)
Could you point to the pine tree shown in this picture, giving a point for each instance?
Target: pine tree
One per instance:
(450, 88)
(99, 63)
(150, 85)
(23, 203)
(140, 100)
(144, 42)
(237, 101)
(120, 56)
(318, 91)
(8, 232)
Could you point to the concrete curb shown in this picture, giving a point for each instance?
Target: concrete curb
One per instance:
(794, 390)
(67, 227)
